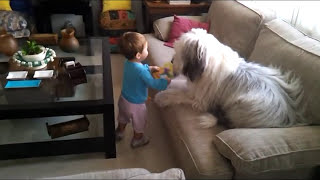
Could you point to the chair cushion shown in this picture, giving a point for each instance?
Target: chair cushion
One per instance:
(282, 45)
(182, 25)
(270, 149)
(5, 5)
(108, 5)
(118, 20)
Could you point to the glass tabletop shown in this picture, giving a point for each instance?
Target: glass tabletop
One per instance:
(84, 83)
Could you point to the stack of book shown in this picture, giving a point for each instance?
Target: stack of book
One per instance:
(179, 2)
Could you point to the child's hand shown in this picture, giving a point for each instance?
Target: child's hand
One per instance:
(168, 79)
(154, 69)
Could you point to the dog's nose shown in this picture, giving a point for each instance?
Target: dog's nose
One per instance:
(172, 60)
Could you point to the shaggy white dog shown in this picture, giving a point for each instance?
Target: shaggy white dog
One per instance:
(239, 93)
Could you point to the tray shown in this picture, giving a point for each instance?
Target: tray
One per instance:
(43, 74)
(17, 75)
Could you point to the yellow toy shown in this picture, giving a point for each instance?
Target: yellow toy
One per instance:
(165, 71)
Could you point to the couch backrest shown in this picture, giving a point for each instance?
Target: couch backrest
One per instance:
(282, 45)
(237, 25)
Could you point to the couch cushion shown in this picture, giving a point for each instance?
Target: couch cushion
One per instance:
(282, 45)
(193, 145)
(270, 149)
(159, 54)
(236, 25)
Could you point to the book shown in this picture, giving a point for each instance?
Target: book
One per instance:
(179, 2)
(23, 84)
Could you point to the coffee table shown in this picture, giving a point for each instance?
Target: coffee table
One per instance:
(93, 97)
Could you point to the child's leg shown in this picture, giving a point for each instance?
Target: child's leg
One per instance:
(123, 118)
(139, 121)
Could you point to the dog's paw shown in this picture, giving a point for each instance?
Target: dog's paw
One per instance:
(207, 120)
(162, 99)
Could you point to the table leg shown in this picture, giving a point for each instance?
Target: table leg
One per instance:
(109, 134)
(147, 19)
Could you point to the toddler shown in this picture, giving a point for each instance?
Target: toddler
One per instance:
(136, 80)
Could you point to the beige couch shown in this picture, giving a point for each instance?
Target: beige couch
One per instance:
(130, 173)
(221, 153)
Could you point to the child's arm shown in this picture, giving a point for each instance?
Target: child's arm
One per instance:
(159, 84)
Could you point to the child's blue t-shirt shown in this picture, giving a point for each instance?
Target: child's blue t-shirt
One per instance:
(136, 80)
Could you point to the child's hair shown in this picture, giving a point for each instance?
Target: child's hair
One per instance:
(131, 43)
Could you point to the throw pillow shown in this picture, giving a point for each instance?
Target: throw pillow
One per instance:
(182, 25)
(5, 5)
(116, 5)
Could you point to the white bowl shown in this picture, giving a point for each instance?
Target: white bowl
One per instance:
(36, 57)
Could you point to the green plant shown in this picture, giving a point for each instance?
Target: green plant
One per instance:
(31, 48)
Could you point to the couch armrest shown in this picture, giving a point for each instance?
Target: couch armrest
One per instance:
(253, 151)
(162, 26)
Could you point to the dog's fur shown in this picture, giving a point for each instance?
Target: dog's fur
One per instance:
(241, 93)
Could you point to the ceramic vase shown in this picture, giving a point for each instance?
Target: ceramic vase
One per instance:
(8, 44)
(68, 42)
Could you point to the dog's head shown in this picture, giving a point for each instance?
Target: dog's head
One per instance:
(192, 53)
(198, 52)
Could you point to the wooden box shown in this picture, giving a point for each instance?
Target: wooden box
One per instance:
(45, 39)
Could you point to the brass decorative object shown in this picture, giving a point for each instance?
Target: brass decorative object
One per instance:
(68, 128)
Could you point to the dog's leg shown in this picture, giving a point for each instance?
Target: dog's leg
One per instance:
(172, 96)
(178, 96)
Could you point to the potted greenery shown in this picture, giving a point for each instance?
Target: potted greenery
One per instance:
(31, 51)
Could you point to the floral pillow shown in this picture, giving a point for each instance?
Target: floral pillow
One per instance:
(12, 21)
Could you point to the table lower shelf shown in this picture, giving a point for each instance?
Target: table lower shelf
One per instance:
(54, 148)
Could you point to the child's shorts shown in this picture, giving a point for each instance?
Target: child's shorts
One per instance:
(136, 112)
